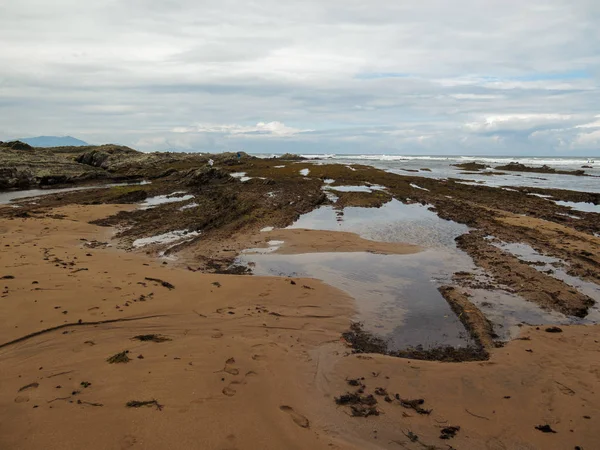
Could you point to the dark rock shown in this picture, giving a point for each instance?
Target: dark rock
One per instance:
(291, 157)
(205, 175)
(470, 166)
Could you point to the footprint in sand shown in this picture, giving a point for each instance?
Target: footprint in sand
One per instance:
(230, 443)
(21, 399)
(128, 441)
(29, 386)
(298, 418)
(228, 391)
(231, 370)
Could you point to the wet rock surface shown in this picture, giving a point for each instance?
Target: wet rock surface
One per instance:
(518, 167)
(471, 166)
(24, 166)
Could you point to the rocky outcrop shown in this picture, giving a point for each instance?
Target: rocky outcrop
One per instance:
(230, 158)
(291, 157)
(23, 166)
(16, 145)
(106, 156)
(518, 167)
(94, 158)
(15, 178)
(205, 175)
(131, 163)
(471, 166)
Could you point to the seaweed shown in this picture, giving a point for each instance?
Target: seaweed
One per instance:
(140, 403)
(151, 337)
(119, 358)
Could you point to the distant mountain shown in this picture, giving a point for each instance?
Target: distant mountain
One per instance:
(53, 141)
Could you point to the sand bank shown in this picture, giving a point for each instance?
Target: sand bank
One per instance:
(318, 241)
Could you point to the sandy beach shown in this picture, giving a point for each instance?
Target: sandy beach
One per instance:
(249, 362)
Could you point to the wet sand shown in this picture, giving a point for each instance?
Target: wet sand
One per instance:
(252, 362)
(239, 348)
(295, 241)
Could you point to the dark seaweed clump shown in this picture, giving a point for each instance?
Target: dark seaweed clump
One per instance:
(362, 341)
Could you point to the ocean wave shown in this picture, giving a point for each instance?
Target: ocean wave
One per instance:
(317, 156)
(499, 160)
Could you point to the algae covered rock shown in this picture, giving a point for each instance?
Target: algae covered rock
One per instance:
(23, 166)
(291, 157)
(205, 175)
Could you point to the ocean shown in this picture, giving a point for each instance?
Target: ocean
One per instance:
(442, 167)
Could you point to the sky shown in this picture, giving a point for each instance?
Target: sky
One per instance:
(496, 77)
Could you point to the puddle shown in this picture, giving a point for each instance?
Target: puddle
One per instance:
(331, 196)
(568, 215)
(396, 295)
(540, 195)
(273, 246)
(189, 206)
(580, 206)
(508, 311)
(304, 172)
(392, 222)
(526, 253)
(349, 188)
(10, 196)
(166, 238)
(328, 181)
(241, 175)
(376, 187)
(174, 197)
(278, 167)
(556, 268)
(369, 188)
(418, 187)
(265, 229)
(471, 183)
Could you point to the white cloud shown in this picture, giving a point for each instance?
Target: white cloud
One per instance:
(587, 140)
(277, 129)
(476, 96)
(594, 124)
(512, 122)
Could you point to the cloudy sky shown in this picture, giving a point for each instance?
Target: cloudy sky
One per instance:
(312, 76)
